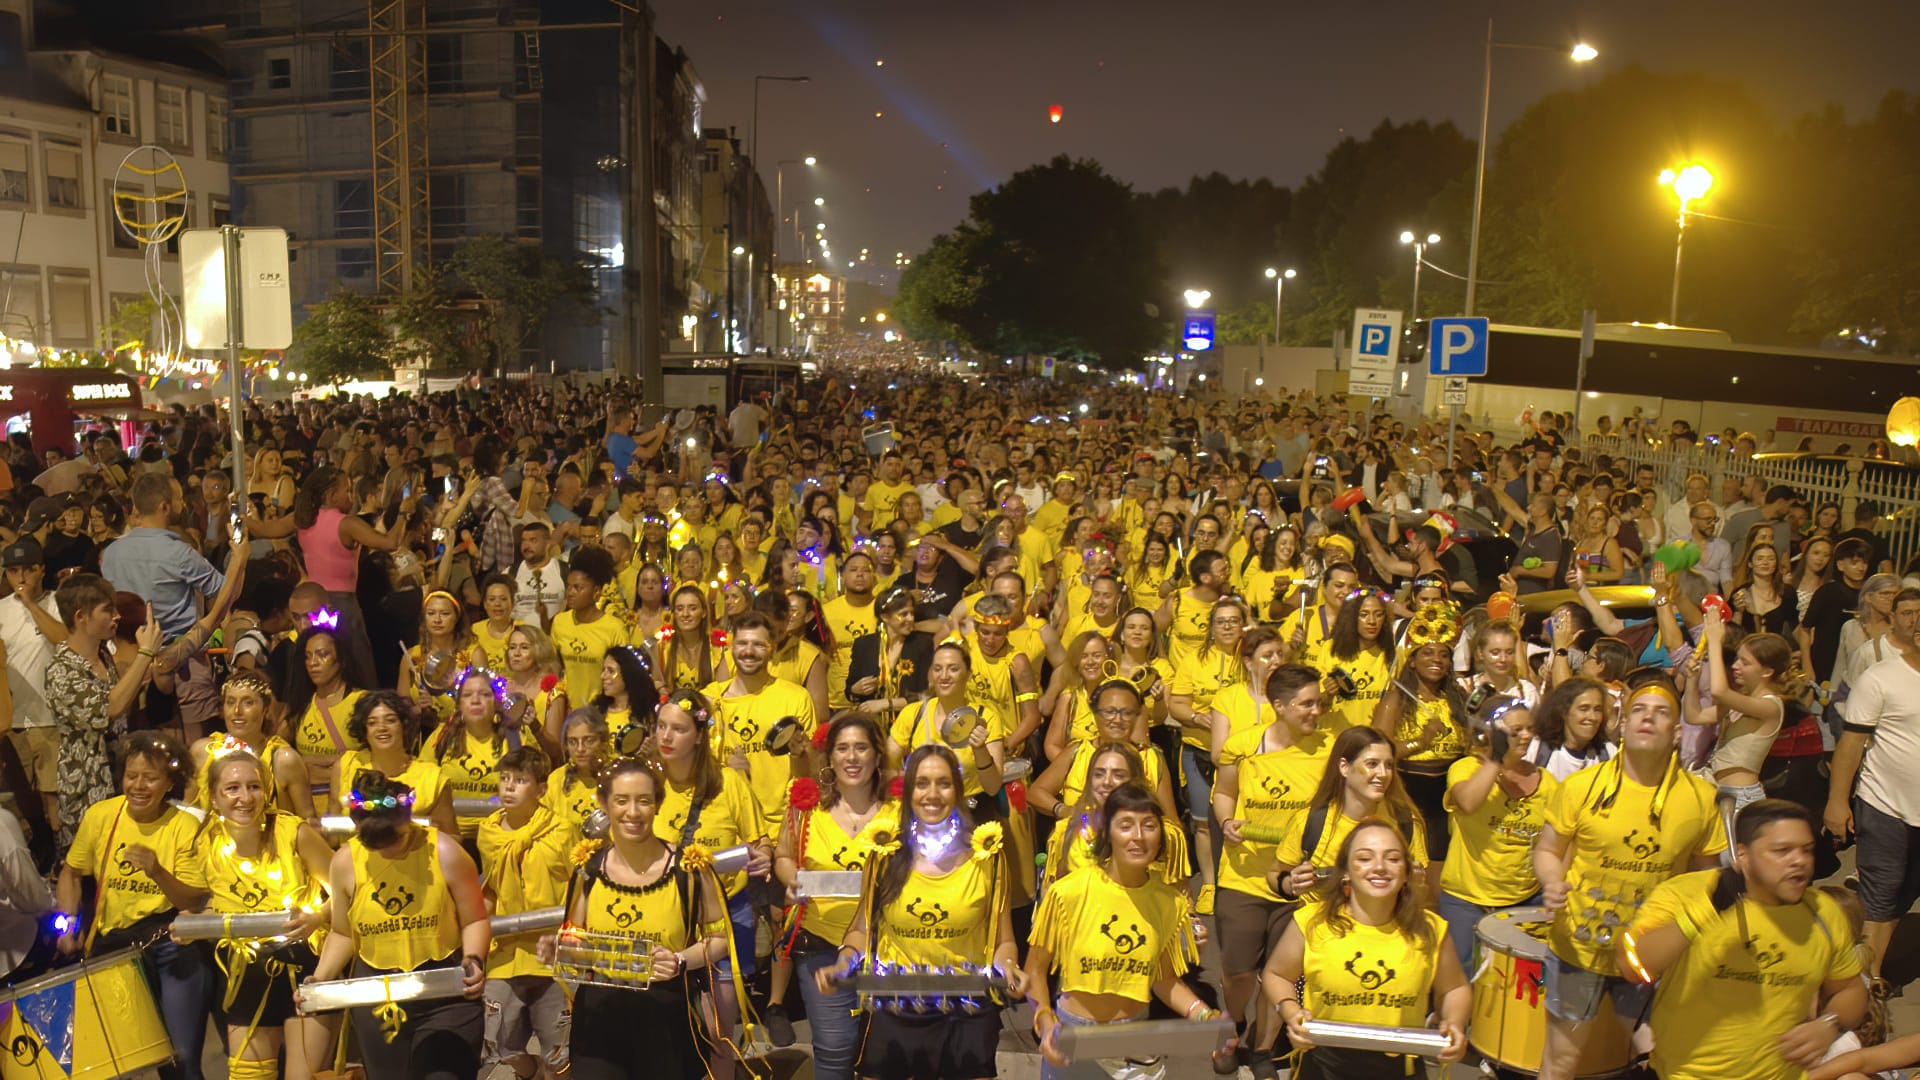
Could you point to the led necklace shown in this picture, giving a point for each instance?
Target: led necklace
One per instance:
(935, 842)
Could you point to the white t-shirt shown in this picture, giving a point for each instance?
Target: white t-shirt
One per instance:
(743, 423)
(551, 591)
(1887, 700)
(28, 654)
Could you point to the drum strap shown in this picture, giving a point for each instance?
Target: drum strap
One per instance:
(1316, 826)
(100, 894)
(333, 730)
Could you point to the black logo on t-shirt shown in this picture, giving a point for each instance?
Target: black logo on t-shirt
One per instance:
(393, 897)
(1644, 848)
(625, 913)
(742, 728)
(1126, 940)
(120, 860)
(848, 859)
(1276, 787)
(1372, 978)
(1765, 954)
(251, 894)
(931, 914)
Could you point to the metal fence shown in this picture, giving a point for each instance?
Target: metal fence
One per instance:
(1894, 490)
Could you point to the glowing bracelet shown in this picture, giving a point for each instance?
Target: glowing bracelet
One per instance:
(1632, 954)
(1022, 699)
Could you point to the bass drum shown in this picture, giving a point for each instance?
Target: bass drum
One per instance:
(1509, 1026)
(95, 1020)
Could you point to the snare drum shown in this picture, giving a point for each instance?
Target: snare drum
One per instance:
(1509, 1026)
(93, 1021)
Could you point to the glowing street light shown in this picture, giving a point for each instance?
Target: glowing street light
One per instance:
(1583, 52)
(819, 200)
(1280, 279)
(1197, 297)
(809, 160)
(1690, 183)
(1419, 256)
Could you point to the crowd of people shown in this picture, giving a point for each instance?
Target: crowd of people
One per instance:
(898, 675)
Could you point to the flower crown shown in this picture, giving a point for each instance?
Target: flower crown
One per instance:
(358, 800)
(1437, 623)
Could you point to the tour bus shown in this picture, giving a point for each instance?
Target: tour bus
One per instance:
(723, 380)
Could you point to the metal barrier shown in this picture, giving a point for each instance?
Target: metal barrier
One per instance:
(1893, 490)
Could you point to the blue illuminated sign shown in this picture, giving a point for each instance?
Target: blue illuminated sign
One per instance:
(1196, 332)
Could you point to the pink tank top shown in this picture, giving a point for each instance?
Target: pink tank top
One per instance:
(330, 562)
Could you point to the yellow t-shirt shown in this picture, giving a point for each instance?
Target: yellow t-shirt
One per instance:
(1144, 585)
(1491, 860)
(1435, 715)
(1371, 677)
(1319, 619)
(944, 921)
(1083, 727)
(583, 649)
(1272, 786)
(572, 797)
(882, 498)
(1369, 974)
(1245, 708)
(656, 912)
(402, 912)
(793, 663)
(846, 621)
(1075, 783)
(423, 776)
(236, 885)
(1037, 551)
(732, 819)
(745, 721)
(828, 847)
(1050, 518)
(489, 649)
(526, 869)
(1187, 632)
(1752, 973)
(473, 774)
(1107, 938)
(1085, 621)
(920, 724)
(1202, 677)
(1071, 848)
(311, 736)
(1333, 832)
(1622, 850)
(126, 894)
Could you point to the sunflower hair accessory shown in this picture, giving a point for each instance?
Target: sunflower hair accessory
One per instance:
(988, 838)
(1437, 623)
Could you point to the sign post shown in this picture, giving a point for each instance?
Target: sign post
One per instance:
(1456, 350)
(1376, 345)
(237, 297)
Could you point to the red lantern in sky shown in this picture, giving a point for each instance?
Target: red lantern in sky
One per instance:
(1053, 114)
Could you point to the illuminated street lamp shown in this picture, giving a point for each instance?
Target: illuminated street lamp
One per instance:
(1280, 279)
(1197, 297)
(1689, 184)
(1580, 52)
(1419, 256)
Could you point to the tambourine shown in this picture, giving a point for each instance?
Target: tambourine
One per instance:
(632, 738)
(438, 670)
(780, 737)
(1343, 684)
(958, 726)
(595, 825)
(513, 709)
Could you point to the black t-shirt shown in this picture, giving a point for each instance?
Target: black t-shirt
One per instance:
(63, 551)
(936, 598)
(1878, 542)
(962, 537)
(1827, 613)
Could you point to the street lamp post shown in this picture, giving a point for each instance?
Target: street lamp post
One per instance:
(1419, 256)
(780, 223)
(1690, 183)
(1280, 278)
(1579, 53)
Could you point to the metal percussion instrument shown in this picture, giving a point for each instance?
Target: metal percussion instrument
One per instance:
(924, 988)
(213, 926)
(527, 922)
(473, 808)
(1413, 1042)
(958, 725)
(779, 740)
(594, 826)
(334, 995)
(731, 860)
(1016, 769)
(610, 961)
(1143, 1040)
(438, 670)
(826, 884)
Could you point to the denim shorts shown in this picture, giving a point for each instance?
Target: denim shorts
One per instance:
(1573, 992)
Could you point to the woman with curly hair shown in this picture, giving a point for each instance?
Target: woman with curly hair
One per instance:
(388, 726)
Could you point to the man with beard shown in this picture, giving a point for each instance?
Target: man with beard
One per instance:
(1744, 955)
(1613, 833)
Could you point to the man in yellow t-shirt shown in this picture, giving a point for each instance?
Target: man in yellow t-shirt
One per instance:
(1614, 832)
(1037, 549)
(849, 615)
(883, 495)
(750, 704)
(1308, 631)
(1052, 516)
(1745, 955)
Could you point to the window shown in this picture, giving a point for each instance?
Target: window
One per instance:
(443, 65)
(178, 215)
(447, 195)
(219, 211)
(170, 115)
(129, 203)
(16, 173)
(279, 73)
(72, 309)
(352, 208)
(353, 263)
(116, 106)
(217, 142)
(63, 177)
(20, 304)
(349, 76)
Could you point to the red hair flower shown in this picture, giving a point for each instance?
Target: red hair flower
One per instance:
(820, 738)
(895, 786)
(719, 638)
(804, 794)
(1017, 796)
(548, 682)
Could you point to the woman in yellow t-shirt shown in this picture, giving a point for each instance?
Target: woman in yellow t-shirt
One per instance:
(319, 703)
(627, 699)
(583, 634)
(1243, 707)
(134, 845)
(1425, 713)
(1136, 653)
(936, 894)
(1118, 708)
(1209, 671)
(1156, 575)
(1095, 606)
(1072, 846)
(533, 671)
(948, 686)
(689, 657)
(446, 647)
(469, 745)
(407, 898)
(832, 826)
(573, 789)
(1359, 660)
(252, 858)
(1068, 700)
(800, 642)
(1359, 782)
(636, 888)
(1117, 933)
(1370, 953)
(388, 727)
(246, 700)
(706, 803)
(490, 633)
(1497, 806)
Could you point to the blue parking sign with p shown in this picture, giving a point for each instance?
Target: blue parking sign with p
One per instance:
(1376, 339)
(1457, 346)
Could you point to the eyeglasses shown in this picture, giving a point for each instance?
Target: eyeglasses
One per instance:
(1119, 712)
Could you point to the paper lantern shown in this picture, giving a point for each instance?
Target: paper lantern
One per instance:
(1054, 113)
(1903, 422)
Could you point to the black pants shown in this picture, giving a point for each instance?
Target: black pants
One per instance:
(440, 1040)
(1326, 1063)
(635, 1034)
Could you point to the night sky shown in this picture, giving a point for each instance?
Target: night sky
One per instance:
(1158, 92)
